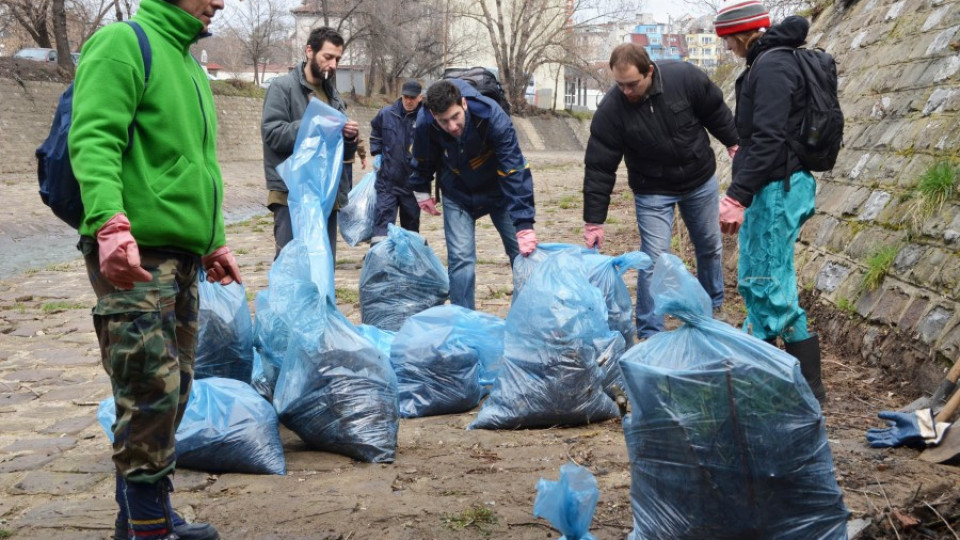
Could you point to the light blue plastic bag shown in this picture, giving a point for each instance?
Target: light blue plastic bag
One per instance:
(724, 436)
(401, 276)
(556, 331)
(443, 357)
(270, 336)
(226, 427)
(356, 218)
(225, 331)
(383, 339)
(569, 503)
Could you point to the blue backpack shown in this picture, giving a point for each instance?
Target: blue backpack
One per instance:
(58, 186)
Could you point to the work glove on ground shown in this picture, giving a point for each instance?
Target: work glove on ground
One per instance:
(731, 215)
(221, 267)
(527, 239)
(119, 254)
(917, 429)
(426, 203)
(593, 235)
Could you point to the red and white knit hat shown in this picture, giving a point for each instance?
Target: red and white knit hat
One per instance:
(737, 16)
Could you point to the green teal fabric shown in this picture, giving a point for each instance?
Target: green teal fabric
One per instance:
(168, 183)
(767, 278)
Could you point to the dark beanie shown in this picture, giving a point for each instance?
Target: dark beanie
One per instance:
(737, 16)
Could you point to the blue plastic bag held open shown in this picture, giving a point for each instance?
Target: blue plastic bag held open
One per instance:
(443, 358)
(270, 336)
(334, 389)
(225, 331)
(356, 218)
(568, 503)
(556, 331)
(226, 427)
(603, 271)
(725, 438)
(401, 276)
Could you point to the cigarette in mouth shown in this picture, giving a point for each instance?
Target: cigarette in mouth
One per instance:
(326, 75)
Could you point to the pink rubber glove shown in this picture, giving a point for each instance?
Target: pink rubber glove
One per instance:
(593, 235)
(527, 240)
(429, 206)
(221, 266)
(731, 215)
(732, 151)
(119, 254)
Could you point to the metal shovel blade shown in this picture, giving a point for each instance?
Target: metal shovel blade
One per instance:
(947, 450)
(936, 401)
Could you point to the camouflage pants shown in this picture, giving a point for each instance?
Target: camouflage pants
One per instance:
(148, 339)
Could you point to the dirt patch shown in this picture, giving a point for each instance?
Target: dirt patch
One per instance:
(28, 70)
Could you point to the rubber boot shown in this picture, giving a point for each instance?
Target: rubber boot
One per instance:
(807, 352)
(182, 529)
(143, 514)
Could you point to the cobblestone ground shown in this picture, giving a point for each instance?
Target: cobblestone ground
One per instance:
(56, 474)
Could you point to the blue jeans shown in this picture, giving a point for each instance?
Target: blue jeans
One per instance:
(459, 228)
(700, 209)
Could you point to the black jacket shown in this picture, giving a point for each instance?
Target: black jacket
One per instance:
(283, 107)
(391, 134)
(662, 138)
(771, 96)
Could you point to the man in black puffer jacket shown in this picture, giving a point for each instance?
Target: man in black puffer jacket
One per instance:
(657, 118)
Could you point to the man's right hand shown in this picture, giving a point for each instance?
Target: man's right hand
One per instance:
(351, 129)
(119, 254)
(593, 235)
(426, 203)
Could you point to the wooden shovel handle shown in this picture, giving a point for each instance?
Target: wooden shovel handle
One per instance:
(954, 372)
(951, 407)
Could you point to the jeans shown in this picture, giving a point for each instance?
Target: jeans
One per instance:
(459, 228)
(700, 209)
(389, 201)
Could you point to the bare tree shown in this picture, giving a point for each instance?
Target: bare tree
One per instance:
(34, 17)
(261, 27)
(89, 15)
(59, 14)
(778, 8)
(527, 34)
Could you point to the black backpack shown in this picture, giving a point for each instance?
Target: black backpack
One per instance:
(484, 81)
(58, 186)
(821, 130)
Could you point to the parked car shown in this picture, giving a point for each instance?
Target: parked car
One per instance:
(37, 54)
(76, 57)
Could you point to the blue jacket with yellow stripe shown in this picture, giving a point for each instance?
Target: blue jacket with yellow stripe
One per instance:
(483, 169)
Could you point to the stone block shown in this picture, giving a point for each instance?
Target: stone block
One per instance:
(910, 175)
(887, 170)
(869, 241)
(911, 316)
(941, 42)
(55, 483)
(894, 10)
(875, 203)
(81, 519)
(926, 134)
(934, 322)
(891, 305)
(927, 270)
(47, 445)
(26, 462)
(830, 276)
(811, 229)
(949, 277)
(942, 100)
(948, 342)
(942, 69)
(866, 301)
(69, 426)
(858, 169)
(840, 237)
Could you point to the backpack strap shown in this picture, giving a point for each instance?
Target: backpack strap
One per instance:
(145, 50)
(147, 55)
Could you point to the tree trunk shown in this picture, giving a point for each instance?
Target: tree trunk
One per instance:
(64, 60)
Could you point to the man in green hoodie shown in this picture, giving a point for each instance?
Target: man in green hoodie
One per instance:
(144, 154)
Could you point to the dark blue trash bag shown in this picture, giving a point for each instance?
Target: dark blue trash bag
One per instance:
(335, 389)
(226, 428)
(225, 332)
(443, 358)
(725, 439)
(569, 503)
(556, 332)
(401, 276)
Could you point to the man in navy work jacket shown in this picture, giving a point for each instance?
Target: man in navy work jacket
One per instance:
(470, 142)
(391, 136)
